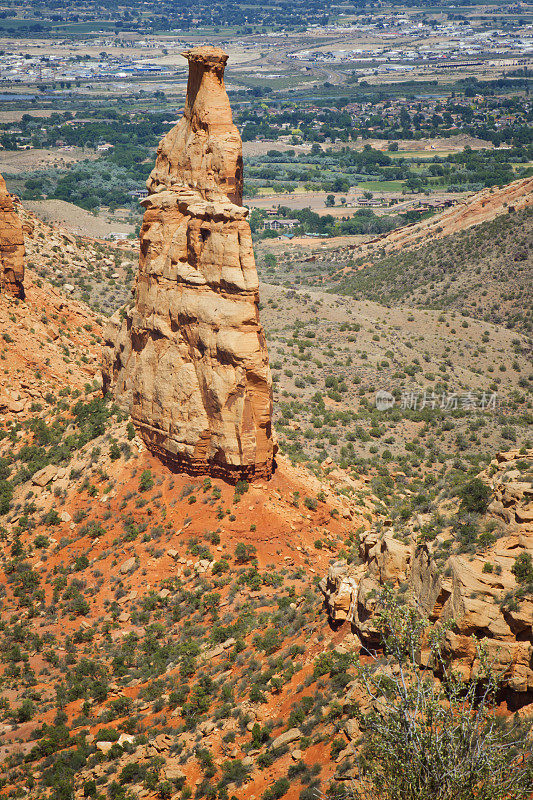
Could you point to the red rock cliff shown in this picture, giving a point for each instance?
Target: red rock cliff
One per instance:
(11, 246)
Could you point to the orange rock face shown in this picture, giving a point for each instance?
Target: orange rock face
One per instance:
(11, 246)
(204, 150)
(190, 360)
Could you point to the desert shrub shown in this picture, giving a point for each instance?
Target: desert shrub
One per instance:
(475, 496)
(265, 760)
(132, 773)
(89, 788)
(270, 642)
(220, 566)
(51, 517)
(244, 553)
(466, 529)
(337, 746)
(277, 790)
(241, 487)
(259, 735)
(81, 562)
(114, 451)
(435, 740)
(6, 491)
(165, 790)
(252, 579)
(93, 529)
(522, 568)
(147, 481)
(233, 771)
(25, 711)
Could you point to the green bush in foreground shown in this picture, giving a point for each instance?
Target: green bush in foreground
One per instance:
(522, 568)
(435, 740)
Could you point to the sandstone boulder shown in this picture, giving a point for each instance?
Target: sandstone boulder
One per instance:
(340, 591)
(104, 747)
(43, 476)
(173, 771)
(162, 742)
(189, 361)
(125, 738)
(127, 565)
(292, 735)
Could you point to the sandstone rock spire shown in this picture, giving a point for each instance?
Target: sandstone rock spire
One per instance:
(11, 246)
(189, 360)
(203, 151)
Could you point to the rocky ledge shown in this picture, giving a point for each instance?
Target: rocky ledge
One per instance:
(11, 246)
(484, 593)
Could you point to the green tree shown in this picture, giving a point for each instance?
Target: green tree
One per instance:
(475, 496)
(146, 482)
(244, 552)
(26, 711)
(414, 184)
(522, 568)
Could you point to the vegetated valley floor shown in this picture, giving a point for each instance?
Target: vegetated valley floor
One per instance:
(161, 633)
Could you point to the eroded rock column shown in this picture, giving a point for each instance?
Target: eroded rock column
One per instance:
(189, 360)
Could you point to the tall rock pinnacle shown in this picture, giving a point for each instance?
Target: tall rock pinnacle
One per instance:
(189, 361)
(203, 151)
(11, 246)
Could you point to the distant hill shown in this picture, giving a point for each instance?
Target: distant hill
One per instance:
(484, 271)
(480, 207)
(78, 220)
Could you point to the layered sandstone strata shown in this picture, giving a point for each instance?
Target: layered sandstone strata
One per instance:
(490, 606)
(189, 360)
(11, 246)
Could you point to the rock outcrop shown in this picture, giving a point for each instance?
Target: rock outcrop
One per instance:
(480, 593)
(11, 246)
(189, 361)
(340, 590)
